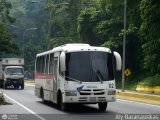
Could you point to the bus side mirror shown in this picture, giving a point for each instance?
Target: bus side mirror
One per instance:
(63, 62)
(118, 60)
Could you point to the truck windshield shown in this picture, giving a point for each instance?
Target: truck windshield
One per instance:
(14, 71)
(93, 66)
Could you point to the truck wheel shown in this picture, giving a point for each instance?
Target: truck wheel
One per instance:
(16, 86)
(22, 86)
(1, 84)
(4, 85)
(102, 106)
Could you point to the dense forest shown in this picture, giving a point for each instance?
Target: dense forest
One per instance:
(28, 27)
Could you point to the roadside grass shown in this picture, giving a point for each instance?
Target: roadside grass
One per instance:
(132, 81)
(29, 81)
(3, 100)
(130, 84)
(150, 81)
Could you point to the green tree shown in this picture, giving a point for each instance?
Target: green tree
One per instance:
(87, 21)
(63, 16)
(102, 26)
(133, 42)
(7, 43)
(150, 30)
(30, 14)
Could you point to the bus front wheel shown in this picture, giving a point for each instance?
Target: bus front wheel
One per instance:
(62, 106)
(102, 106)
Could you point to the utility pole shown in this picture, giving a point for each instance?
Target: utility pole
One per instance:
(124, 46)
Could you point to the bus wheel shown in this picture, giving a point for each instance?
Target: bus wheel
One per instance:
(102, 106)
(42, 96)
(62, 106)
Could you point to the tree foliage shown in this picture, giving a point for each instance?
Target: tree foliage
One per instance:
(150, 29)
(97, 22)
(30, 14)
(7, 43)
(104, 26)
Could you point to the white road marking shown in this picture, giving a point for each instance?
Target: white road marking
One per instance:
(139, 103)
(25, 108)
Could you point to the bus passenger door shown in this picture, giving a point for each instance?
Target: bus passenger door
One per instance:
(55, 72)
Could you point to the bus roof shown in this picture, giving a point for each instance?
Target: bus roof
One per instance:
(75, 48)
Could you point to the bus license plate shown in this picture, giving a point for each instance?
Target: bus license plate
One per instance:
(92, 99)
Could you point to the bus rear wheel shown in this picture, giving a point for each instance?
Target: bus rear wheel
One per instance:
(42, 96)
(102, 106)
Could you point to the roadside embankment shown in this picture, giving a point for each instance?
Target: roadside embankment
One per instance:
(29, 82)
(148, 89)
(139, 97)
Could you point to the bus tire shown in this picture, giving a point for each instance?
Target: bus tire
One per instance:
(102, 106)
(61, 105)
(42, 96)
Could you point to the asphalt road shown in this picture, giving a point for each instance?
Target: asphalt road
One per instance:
(26, 106)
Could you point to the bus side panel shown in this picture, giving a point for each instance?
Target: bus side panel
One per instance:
(48, 89)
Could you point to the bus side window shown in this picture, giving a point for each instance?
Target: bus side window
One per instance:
(51, 64)
(38, 65)
(42, 64)
(47, 63)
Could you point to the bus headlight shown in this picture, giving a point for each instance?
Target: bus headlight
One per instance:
(70, 93)
(111, 92)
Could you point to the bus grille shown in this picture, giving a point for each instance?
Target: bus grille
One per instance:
(92, 92)
(83, 99)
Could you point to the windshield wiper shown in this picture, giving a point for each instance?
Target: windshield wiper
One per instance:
(98, 74)
(73, 79)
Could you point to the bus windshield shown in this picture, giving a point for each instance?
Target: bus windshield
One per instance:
(92, 66)
(14, 71)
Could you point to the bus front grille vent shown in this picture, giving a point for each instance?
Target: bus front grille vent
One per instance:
(99, 91)
(83, 99)
(85, 92)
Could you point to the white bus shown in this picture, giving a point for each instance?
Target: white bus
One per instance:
(77, 73)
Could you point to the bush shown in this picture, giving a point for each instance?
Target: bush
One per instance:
(2, 100)
(151, 81)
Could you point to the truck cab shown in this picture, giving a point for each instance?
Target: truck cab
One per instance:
(14, 75)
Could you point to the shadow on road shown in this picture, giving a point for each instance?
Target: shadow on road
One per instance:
(79, 109)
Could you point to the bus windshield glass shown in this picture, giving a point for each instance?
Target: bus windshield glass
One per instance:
(14, 71)
(92, 66)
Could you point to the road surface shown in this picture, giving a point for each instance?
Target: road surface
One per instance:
(26, 106)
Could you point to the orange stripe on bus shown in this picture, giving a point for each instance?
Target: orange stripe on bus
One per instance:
(44, 76)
